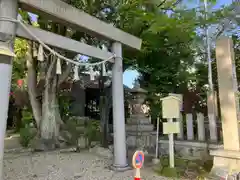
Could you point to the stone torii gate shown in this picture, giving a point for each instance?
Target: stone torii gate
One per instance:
(65, 14)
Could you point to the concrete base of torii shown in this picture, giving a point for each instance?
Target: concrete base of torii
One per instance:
(225, 163)
(120, 168)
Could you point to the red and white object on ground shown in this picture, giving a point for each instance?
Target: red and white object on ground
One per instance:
(137, 162)
(137, 175)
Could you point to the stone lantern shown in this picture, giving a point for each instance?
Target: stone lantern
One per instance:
(138, 128)
(138, 97)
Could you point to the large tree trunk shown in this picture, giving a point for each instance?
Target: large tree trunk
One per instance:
(32, 86)
(49, 129)
(47, 114)
(50, 123)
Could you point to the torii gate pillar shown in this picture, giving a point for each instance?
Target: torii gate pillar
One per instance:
(8, 8)
(120, 152)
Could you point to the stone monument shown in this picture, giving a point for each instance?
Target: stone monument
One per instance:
(227, 159)
(139, 127)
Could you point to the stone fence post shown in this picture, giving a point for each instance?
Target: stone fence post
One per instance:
(190, 133)
(180, 136)
(200, 127)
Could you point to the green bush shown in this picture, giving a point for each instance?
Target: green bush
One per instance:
(182, 166)
(170, 172)
(81, 127)
(27, 117)
(92, 131)
(64, 101)
(26, 135)
(75, 127)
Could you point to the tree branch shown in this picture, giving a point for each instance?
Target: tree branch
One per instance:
(171, 8)
(163, 2)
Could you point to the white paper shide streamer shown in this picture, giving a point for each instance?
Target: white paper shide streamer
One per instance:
(35, 52)
(104, 71)
(58, 68)
(76, 75)
(40, 56)
(92, 75)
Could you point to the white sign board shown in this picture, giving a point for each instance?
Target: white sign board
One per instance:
(170, 107)
(180, 97)
(171, 128)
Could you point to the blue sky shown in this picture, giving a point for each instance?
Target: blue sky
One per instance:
(129, 76)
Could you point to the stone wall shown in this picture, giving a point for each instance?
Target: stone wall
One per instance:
(184, 148)
(146, 140)
(189, 149)
(190, 143)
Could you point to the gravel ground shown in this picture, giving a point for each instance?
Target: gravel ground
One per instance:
(64, 165)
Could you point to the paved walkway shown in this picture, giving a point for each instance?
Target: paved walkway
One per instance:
(64, 166)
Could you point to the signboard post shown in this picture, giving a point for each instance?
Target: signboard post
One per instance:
(170, 110)
(137, 162)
